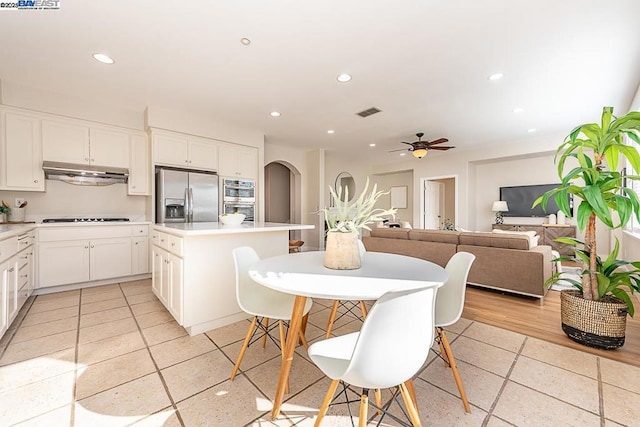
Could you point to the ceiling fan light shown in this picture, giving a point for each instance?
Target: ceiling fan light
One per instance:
(419, 153)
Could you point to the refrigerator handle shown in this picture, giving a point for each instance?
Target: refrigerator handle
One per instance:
(190, 204)
(187, 205)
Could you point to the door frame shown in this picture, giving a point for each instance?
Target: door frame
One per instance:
(434, 178)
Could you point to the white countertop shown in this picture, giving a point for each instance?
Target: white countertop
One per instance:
(10, 230)
(211, 228)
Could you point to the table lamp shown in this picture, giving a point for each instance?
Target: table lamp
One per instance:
(499, 207)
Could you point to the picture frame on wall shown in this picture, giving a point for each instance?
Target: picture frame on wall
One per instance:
(399, 197)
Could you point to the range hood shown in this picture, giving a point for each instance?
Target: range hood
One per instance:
(84, 174)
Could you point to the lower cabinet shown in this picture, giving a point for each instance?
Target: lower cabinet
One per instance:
(167, 280)
(16, 276)
(83, 254)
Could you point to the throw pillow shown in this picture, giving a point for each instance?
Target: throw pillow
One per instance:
(533, 237)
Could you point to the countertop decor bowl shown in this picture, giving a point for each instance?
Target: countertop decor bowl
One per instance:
(232, 219)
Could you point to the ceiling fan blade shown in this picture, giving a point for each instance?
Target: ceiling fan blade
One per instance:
(438, 141)
(409, 143)
(441, 148)
(402, 149)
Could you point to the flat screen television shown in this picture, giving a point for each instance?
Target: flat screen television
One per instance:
(519, 200)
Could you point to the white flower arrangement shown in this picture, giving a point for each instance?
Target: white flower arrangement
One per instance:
(346, 218)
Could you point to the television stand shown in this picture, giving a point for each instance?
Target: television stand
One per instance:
(547, 232)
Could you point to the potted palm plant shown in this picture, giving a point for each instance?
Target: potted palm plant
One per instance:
(344, 222)
(595, 313)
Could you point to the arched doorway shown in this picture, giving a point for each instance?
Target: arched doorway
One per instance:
(283, 194)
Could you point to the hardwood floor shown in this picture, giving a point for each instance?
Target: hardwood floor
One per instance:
(526, 316)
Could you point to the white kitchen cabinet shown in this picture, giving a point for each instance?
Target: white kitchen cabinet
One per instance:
(75, 142)
(74, 254)
(139, 255)
(109, 258)
(139, 167)
(185, 151)
(16, 276)
(63, 262)
(238, 162)
(168, 270)
(21, 153)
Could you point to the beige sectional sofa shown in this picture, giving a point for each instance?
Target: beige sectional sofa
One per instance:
(503, 261)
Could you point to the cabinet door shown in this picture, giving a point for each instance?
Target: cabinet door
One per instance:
(175, 287)
(156, 272)
(11, 287)
(65, 142)
(170, 150)
(139, 255)
(165, 283)
(227, 162)
(22, 160)
(61, 263)
(139, 168)
(109, 148)
(110, 258)
(248, 163)
(203, 154)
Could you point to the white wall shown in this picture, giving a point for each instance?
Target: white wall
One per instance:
(397, 179)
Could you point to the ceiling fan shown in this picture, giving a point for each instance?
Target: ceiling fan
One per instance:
(420, 148)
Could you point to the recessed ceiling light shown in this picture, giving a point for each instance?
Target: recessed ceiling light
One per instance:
(403, 154)
(105, 59)
(532, 130)
(274, 114)
(245, 41)
(496, 76)
(344, 77)
(331, 131)
(518, 110)
(372, 145)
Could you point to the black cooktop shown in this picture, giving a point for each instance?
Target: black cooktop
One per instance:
(85, 220)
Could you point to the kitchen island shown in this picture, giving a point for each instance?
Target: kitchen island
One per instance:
(194, 273)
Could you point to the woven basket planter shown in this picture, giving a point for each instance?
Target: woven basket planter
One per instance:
(599, 324)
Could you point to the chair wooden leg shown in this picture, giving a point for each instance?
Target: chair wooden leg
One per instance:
(245, 344)
(332, 317)
(363, 309)
(411, 408)
(412, 393)
(303, 340)
(325, 403)
(454, 369)
(378, 395)
(282, 340)
(303, 329)
(264, 338)
(364, 406)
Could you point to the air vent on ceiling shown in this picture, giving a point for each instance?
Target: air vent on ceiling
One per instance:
(369, 112)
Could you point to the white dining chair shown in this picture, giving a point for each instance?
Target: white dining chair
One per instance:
(348, 307)
(262, 303)
(449, 306)
(389, 349)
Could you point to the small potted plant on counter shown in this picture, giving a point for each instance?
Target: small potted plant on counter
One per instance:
(4, 211)
(595, 312)
(344, 222)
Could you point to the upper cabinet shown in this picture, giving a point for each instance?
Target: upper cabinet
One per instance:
(20, 152)
(72, 142)
(140, 167)
(238, 161)
(185, 151)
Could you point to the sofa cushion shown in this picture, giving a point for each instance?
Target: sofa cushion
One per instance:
(505, 241)
(533, 237)
(391, 233)
(440, 236)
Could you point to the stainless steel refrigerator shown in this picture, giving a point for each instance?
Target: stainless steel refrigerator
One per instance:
(186, 196)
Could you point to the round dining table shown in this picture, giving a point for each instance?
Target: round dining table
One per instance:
(304, 275)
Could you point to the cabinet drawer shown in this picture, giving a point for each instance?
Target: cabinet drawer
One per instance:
(82, 233)
(8, 247)
(163, 241)
(176, 245)
(139, 230)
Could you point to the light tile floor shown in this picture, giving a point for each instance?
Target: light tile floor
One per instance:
(112, 356)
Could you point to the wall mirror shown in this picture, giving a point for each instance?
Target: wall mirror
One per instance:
(344, 180)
